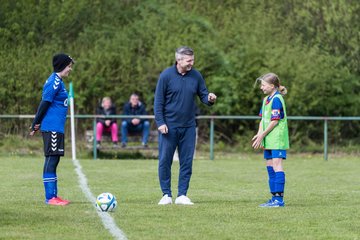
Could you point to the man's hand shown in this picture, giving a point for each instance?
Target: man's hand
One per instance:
(33, 131)
(135, 121)
(163, 129)
(211, 97)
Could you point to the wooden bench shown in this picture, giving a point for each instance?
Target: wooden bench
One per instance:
(133, 138)
(133, 145)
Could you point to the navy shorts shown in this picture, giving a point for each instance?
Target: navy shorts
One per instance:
(274, 153)
(53, 143)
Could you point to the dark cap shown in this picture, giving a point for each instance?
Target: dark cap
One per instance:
(61, 61)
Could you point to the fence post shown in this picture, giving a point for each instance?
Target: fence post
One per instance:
(325, 139)
(94, 140)
(211, 139)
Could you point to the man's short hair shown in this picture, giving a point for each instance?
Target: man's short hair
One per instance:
(183, 50)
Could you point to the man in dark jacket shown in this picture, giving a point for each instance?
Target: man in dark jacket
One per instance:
(174, 109)
(135, 107)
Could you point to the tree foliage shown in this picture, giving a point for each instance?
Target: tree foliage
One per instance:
(122, 46)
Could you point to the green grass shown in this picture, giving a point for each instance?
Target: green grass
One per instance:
(322, 200)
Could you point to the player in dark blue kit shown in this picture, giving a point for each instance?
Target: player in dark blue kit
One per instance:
(50, 119)
(175, 110)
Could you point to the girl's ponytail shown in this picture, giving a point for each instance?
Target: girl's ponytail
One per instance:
(282, 90)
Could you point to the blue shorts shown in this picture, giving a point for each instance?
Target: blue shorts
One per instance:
(275, 153)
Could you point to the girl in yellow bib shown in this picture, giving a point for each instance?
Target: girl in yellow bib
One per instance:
(273, 136)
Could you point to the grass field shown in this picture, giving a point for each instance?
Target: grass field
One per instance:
(322, 200)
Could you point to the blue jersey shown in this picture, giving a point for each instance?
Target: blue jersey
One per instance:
(54, 91)
(277, 110)
(174, 103)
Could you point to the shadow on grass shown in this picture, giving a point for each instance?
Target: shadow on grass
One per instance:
(222, 201)
(125, 155)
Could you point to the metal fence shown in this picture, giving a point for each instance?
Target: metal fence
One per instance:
(212, 124)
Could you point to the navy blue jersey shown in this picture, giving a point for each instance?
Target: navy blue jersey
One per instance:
(54, 91)
(175, 94)
(277, 111)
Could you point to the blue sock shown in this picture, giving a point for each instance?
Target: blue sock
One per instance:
(272, 176)
(55, 189)
(50, 185)
(279, 186)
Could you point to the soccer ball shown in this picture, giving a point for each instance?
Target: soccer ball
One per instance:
(106, 202)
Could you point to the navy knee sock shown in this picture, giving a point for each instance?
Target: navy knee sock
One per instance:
(49, 176)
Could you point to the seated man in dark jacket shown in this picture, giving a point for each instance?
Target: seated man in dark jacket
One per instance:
(106, 124)
(135, 107)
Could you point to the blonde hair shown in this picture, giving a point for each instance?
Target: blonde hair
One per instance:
(272, 78)
(105, 99)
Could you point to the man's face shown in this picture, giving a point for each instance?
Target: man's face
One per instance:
(186, 62)
(134, 100)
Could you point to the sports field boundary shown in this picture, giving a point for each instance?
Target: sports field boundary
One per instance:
(105, 217)
(211, 118)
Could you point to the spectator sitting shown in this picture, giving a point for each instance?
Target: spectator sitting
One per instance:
(135, 107)
(106, 124)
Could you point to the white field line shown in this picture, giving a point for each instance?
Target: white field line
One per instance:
(106, 219)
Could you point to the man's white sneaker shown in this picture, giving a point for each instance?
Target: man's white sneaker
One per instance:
(165, 200)
(184, 200)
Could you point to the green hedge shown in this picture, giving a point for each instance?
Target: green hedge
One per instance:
(122, 46)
